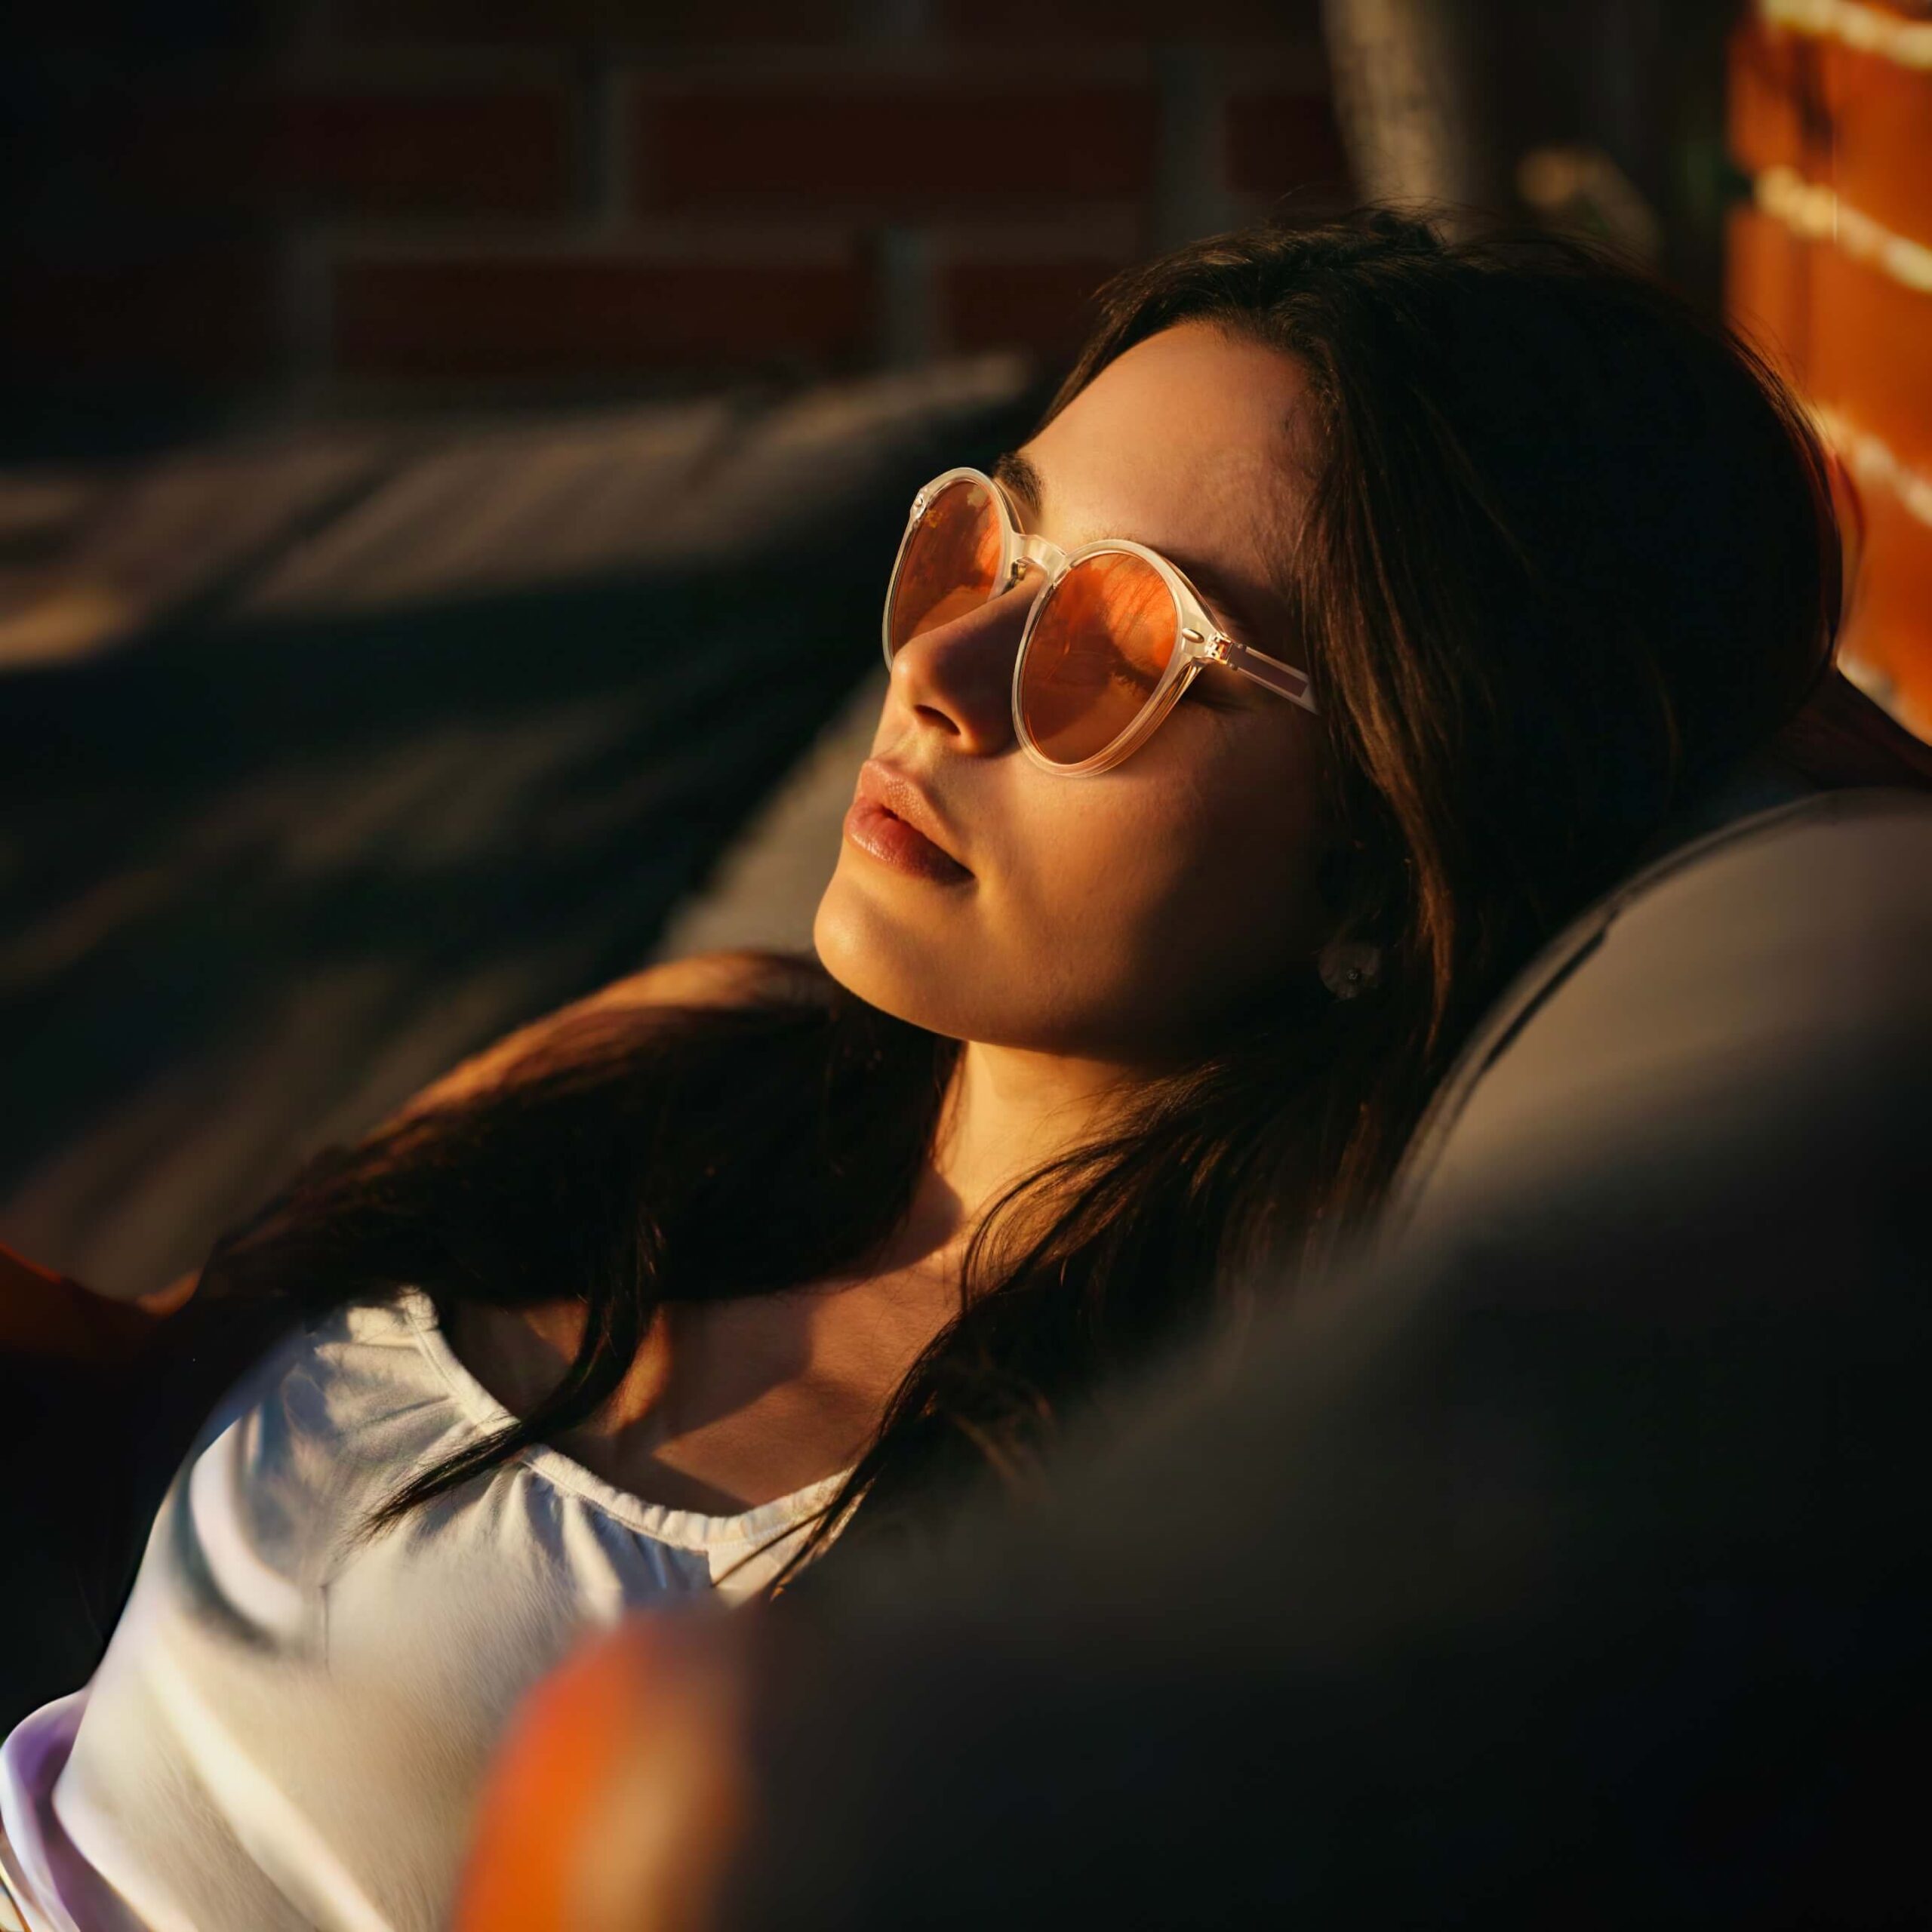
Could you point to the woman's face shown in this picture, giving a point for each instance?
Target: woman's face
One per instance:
(1112, 917)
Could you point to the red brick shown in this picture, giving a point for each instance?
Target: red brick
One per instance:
(1774, 106)
(196, 151)
(1276, 142)
(912, 147)
(1881, 155)
(1870, 350)
(1043, 305)
(1767, 286)
(496, 152)
(1889, 624)
(202, 318)
(570, 316)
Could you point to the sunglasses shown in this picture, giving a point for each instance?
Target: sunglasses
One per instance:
(1115, 636)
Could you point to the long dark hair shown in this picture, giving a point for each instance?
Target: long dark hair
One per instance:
(1570, 555)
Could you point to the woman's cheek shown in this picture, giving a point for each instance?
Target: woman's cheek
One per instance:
(1108, 908)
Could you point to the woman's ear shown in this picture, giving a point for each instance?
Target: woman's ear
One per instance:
(1349, 968)
(1350, 962)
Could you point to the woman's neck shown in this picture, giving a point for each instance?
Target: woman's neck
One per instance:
(734, 1402)
(1007, 1112)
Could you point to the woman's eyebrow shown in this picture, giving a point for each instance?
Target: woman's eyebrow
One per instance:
(1019, 476)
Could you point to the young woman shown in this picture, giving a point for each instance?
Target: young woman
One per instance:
(1363, 606)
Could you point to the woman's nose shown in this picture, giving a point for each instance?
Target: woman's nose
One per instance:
(958, 677)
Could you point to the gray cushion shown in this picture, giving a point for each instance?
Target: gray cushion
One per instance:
(1743, 988)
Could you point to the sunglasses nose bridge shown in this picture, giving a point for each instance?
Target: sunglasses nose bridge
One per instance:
(1041, 552)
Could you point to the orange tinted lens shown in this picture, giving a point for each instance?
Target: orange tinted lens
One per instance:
(950, 561)
(1103, 637)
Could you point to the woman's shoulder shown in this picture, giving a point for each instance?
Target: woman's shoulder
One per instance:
(742, 977)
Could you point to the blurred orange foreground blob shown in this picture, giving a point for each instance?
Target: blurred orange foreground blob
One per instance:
(46, 1316)
(617, 1793)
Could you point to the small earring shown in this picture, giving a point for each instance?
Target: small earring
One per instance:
(1348, 970)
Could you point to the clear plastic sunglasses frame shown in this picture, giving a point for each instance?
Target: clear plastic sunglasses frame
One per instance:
(1200, 642)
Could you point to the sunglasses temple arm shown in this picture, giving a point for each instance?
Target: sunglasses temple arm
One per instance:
(1278, 676)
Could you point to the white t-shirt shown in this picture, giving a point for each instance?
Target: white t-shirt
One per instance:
(291, 1725)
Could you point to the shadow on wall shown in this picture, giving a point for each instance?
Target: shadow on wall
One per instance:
(323, 764)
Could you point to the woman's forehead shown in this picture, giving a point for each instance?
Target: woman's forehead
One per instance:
(1188, 442)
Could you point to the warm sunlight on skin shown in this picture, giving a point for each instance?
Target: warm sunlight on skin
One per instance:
(1108, 920)
(1104, 927)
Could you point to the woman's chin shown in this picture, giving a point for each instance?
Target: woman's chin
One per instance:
(913, 975)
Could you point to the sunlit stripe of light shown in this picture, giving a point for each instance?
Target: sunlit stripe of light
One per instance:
(1872, 461)
(1868, 29)
(267, 1824)
(1815, 211)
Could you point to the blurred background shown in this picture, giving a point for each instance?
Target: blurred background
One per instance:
(450, 451)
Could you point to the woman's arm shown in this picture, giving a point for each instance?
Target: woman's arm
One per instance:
(61, 1341)
(40, 1308)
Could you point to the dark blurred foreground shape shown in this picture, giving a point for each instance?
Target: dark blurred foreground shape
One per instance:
(1567, 1561)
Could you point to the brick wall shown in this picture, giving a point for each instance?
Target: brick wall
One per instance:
(419, 196)
(1830, 264)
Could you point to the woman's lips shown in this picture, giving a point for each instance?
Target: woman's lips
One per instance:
(891, 840)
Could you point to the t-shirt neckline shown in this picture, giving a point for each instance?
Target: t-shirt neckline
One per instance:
(682, 1529)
